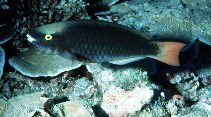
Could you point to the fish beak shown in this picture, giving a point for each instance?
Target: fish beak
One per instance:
(35, 42)
(30, 38)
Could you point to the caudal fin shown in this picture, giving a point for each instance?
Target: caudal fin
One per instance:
(170, 53)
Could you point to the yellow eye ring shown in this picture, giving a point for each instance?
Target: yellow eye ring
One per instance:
(48, 37)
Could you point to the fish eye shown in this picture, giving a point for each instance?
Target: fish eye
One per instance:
(48, 37)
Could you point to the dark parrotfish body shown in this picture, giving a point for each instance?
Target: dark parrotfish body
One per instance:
(98, 41)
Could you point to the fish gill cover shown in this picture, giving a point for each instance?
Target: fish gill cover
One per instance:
(154, 88)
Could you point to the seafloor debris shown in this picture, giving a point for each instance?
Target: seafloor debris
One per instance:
(198, 110)
(197, 5)
(36, 104)
(27, 105)
(42, 12)
(191, 85)
(174, 107)
(72, 109)
(118, 102)
(171, 21)
(64, 85)
(154, 109)
(124, 77)
(204, 76)
(85, 91)
(124, 90)
(3, 105)
(34, 63)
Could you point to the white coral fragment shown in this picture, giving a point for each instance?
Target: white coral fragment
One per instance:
(25, 106)
(72, 109)
(117, 100)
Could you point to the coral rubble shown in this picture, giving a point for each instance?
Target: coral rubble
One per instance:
(117, 101)
(168, 20)
(25, 105)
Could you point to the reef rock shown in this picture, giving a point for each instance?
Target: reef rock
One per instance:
(85, 91)
(117, 101)
(124, 76)
(168, 20)
(71, 109)
(43, 12)
(24, 106)
(124, 89)
(198, 110)
(3, 105)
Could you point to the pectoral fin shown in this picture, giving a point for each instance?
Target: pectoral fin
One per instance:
(74, 56)
(68, 55)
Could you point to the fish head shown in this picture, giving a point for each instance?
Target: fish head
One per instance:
(50, 37)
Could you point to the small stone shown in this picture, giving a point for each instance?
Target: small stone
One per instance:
(72, 109)
(25, 106)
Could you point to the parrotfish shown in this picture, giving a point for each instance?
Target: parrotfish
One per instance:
(99, 41)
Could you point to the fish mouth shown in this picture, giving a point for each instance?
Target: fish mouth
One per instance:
(37, 44)
(33, 41)
(30, 38)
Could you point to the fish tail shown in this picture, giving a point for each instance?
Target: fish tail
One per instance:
(169, 52)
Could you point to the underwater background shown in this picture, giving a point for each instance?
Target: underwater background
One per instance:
(36, 83)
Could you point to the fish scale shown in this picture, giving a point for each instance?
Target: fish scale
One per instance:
(97, 47)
